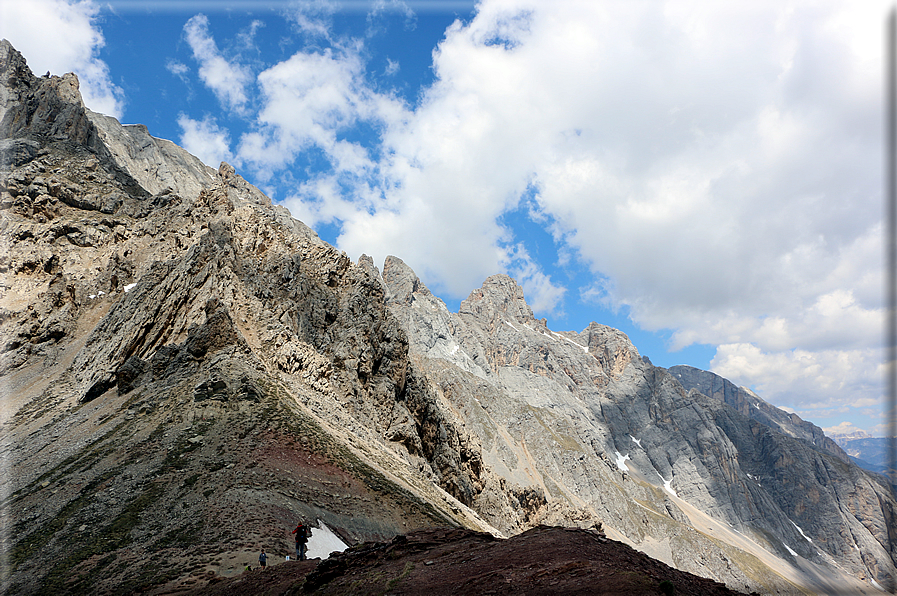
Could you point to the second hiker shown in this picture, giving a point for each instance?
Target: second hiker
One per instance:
(302, 532)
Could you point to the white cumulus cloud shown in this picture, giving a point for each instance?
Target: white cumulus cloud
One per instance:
(178, 69)
(226, 78)
(60, 36)
(810, 382)
(205, 139)
(306, 101)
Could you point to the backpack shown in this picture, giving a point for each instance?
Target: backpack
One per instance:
(302, 534)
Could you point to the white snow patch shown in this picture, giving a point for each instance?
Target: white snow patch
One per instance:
(101, 293)
(512, 327)
(667, 484)
(129, 287)
(757, 406)
(621, 461)
(876, 584)
(799, 530)
(636, 441)
(455, 349)
(793, 554)
(323, 542)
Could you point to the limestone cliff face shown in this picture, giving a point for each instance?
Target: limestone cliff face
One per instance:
(751, 405)
(185, 370)
(156, 164)
(585, 421)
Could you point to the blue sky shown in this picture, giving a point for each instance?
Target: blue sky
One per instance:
(704, 176)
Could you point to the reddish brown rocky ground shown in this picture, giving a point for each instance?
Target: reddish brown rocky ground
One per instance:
(544, 560)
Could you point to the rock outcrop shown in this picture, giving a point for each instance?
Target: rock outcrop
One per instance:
(538, 562)
(156, 164)
(185, 370)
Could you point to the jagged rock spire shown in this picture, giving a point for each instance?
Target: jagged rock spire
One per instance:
(498, 294)
(401, 281)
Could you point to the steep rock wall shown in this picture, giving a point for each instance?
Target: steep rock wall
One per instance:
(187, 371)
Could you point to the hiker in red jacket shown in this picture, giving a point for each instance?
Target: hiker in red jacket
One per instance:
(302, 533)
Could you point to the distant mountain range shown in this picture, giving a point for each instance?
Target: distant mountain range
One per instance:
(870, 453)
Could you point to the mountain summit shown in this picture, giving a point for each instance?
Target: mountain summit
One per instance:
(187, 371)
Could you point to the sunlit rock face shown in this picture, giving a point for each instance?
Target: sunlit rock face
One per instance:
(583, 419)
(187, 371)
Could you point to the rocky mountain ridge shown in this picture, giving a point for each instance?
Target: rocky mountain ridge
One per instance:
(184, 373)
(611, 416)
(186, 370)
